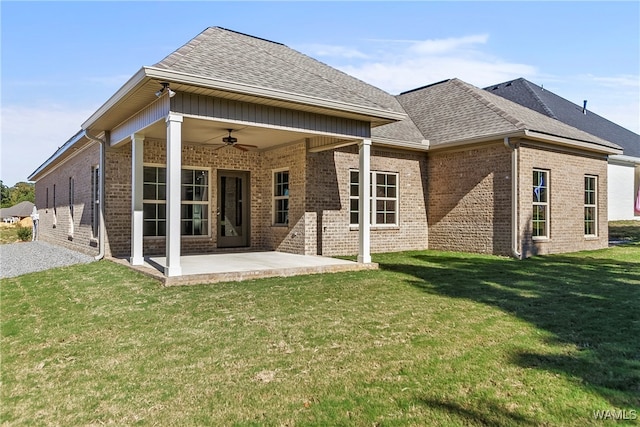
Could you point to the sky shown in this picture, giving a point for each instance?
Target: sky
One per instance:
(60, 61)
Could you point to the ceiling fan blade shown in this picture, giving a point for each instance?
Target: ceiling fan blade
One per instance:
(222, 146)
(240, 147)
(247, 145)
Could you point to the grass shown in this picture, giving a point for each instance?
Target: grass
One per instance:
(433, 338)
(8, 234)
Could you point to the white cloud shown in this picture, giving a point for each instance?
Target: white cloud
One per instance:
(401, 65)
(30, 135)
(316, 50)
(439, 46)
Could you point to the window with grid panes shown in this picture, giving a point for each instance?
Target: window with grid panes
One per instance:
(281, 197)
(540, 219)
(590, 206)
(383, 198)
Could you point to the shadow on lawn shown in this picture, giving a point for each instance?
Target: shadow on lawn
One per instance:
(589, 302)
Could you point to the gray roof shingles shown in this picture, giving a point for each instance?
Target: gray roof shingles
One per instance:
(228, 55)
(453, 110)
(548, 103)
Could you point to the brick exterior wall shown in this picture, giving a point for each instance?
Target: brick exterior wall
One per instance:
(566, 189)
(260, 165)
(327, 211)
(469, 199)
(57, 225)
(453, 200)
(318, 187)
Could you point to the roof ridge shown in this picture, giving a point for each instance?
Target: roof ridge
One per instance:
(175, 56)
(294, 64)
(545, 107)
(479, 95)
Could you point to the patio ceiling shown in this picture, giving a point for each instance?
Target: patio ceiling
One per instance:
(211, 132)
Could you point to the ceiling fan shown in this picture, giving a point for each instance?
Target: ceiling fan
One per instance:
(233, 142)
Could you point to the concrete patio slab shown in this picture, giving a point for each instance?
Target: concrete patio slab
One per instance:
(238, 266)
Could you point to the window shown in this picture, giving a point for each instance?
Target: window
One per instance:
(281, 197)
(47, 204)
(540, 225)
(95, 200)
(384, 200)
(590, 206)
(194, 218)
(194, 209)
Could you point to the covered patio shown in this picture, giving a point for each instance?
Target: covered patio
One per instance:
(238, 266)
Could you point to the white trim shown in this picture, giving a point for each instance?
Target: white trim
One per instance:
(262, 92)
(594, 205)
(546, 204)
(137, 185)
(274, 197)
(373, 198)
(364, 231)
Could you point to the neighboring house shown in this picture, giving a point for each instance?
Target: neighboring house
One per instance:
(16, 212)
(238, 142)
(624, 169)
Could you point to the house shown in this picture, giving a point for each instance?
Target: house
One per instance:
(233, 142)
(624, 169)
(15, 213)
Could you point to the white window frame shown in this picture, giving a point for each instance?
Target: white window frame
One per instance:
(206, 203)
(374, 198)
(276, 198)
(593, 205)
(544, 204)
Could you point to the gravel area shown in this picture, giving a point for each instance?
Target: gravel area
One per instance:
(22, 258)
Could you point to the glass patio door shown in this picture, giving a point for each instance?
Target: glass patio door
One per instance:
(233, 209)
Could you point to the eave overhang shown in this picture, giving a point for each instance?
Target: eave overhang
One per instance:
(68, 149)
(591, 146)
(140, 90)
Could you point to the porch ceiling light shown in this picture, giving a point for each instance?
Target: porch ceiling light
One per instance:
(165, 88)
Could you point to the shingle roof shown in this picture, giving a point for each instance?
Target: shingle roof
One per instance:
(548, 103)
(21, 210)
(453, 110)
(228, 55)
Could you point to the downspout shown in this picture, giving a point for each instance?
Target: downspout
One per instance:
(514, 198)
(101, 168)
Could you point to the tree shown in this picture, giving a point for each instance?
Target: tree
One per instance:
(5, 195)
(23, 191)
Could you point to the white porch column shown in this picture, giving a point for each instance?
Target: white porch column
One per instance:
(137, 155)
(364, 219)
(174, 171)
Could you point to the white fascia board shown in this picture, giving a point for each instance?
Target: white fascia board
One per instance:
(396, 143)
(476, 140)
(624, 160)
(575, 143)
(134, 81)
(225, 85)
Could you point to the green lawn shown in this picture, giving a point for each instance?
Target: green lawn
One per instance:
(433, 338)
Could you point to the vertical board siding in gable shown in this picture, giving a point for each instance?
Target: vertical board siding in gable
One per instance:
(153, 112)
(225, 109)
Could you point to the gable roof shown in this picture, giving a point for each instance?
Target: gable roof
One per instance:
(454, 112)
(227, 64)
(548, 103)
(21, 210)
(223, 54)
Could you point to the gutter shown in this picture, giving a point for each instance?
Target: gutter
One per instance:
(101, 166)
(515, 237)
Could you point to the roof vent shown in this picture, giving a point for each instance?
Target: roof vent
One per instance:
(584, 107)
